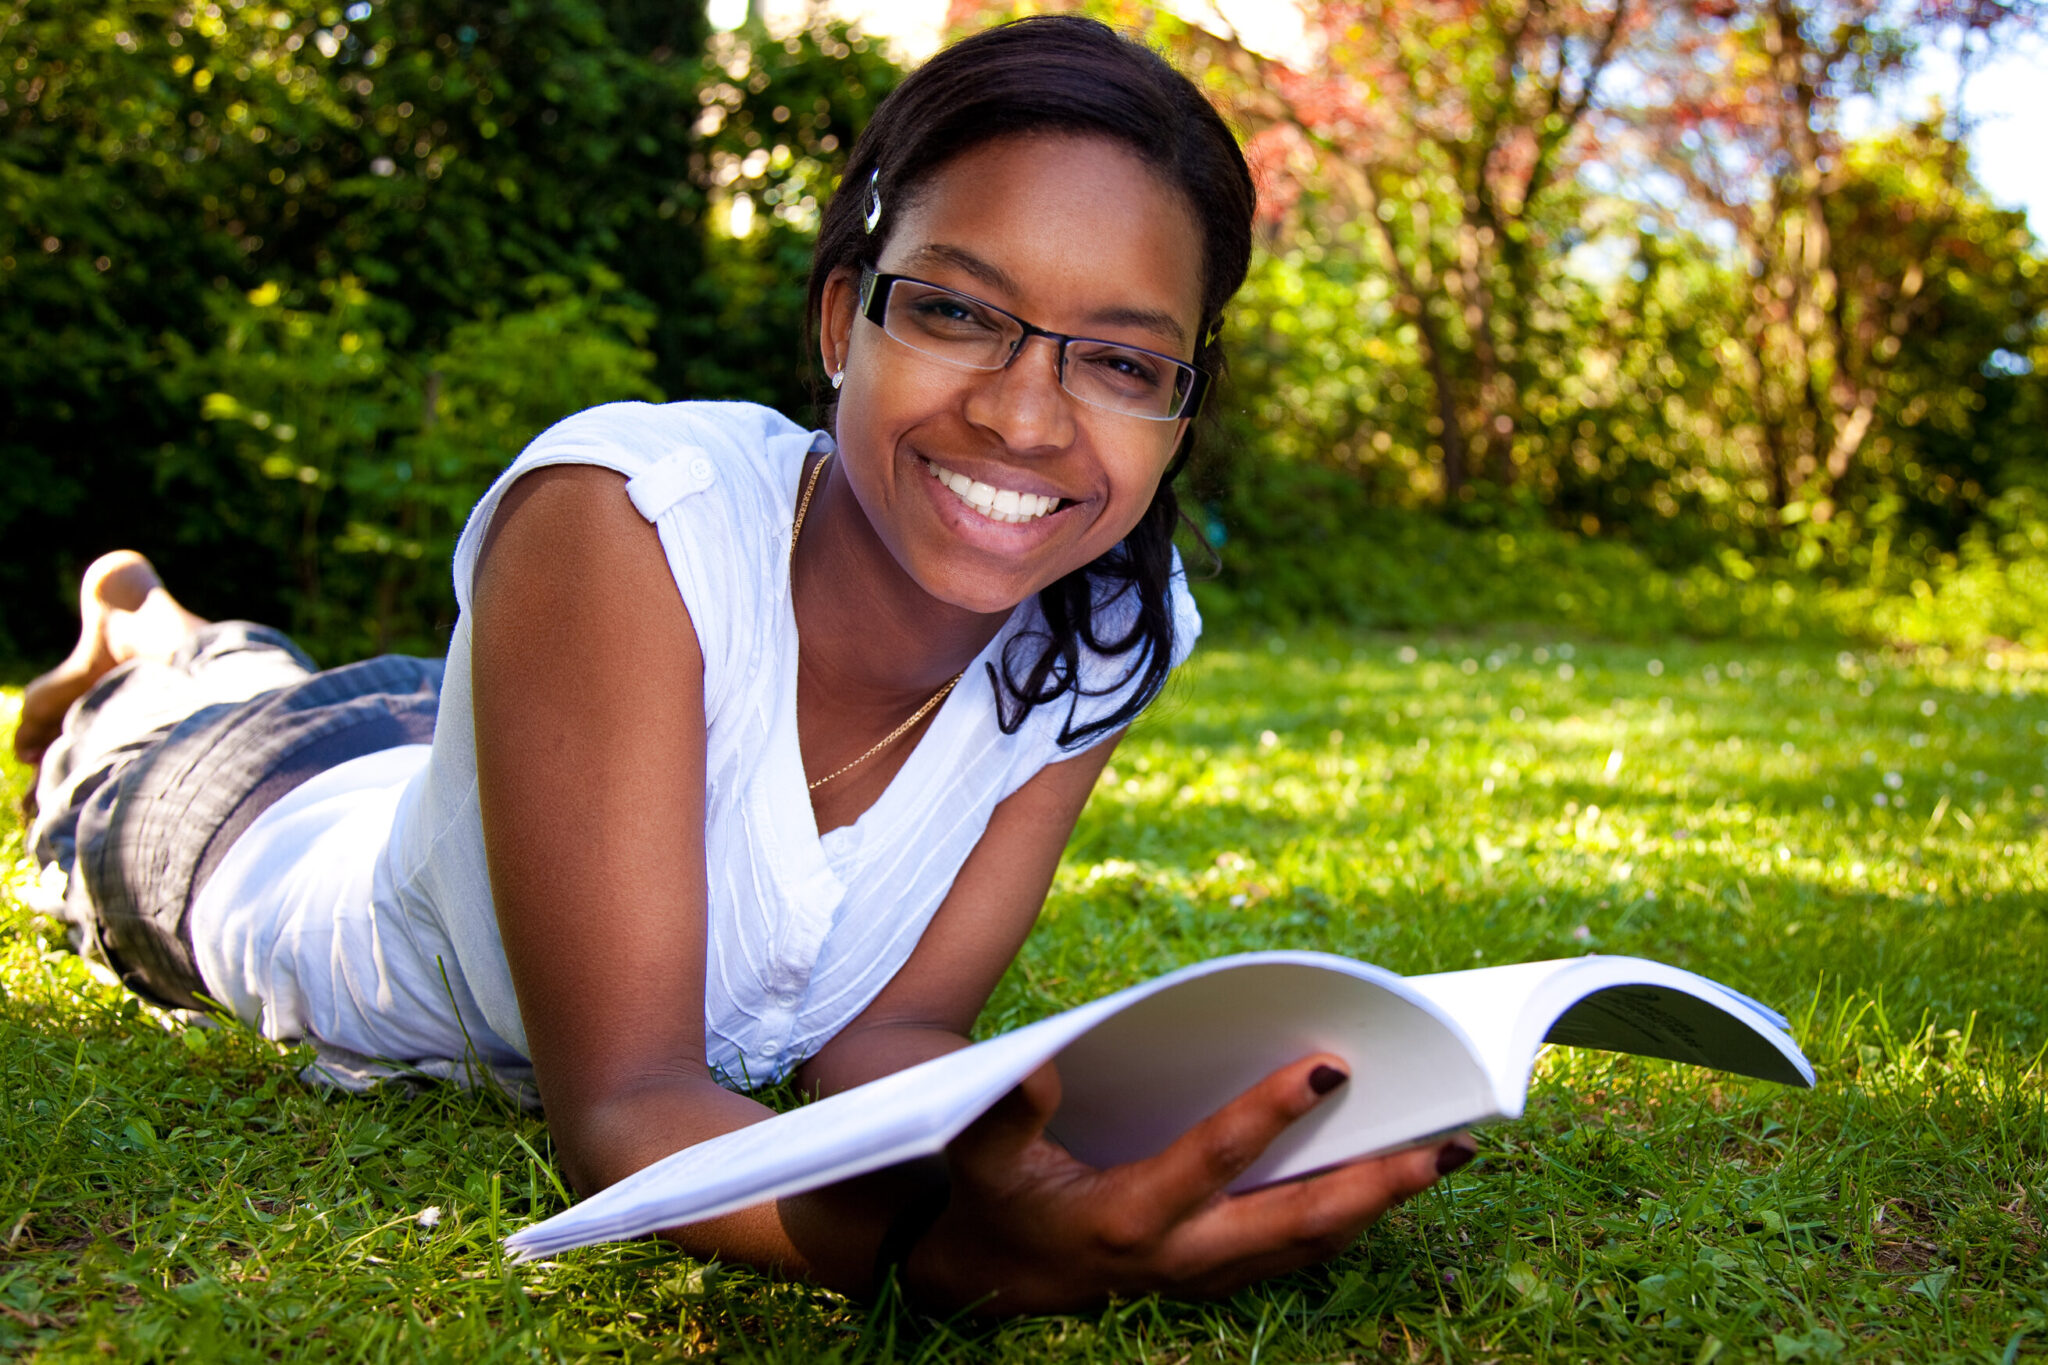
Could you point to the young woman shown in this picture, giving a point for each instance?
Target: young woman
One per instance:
(756, 748)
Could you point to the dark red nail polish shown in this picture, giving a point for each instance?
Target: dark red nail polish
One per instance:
(1324, 1079)
(1453, 1156)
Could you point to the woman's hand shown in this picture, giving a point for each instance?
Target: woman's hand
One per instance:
(1029, 1228)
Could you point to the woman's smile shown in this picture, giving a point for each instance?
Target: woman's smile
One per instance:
(1012, 506)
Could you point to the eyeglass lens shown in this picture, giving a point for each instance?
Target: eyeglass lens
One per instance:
(966, 332)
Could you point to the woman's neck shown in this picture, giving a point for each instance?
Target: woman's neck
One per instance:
(872, 639)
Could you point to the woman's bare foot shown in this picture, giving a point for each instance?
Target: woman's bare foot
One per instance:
(124, 612)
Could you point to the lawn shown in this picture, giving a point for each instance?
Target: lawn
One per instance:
(1858, 838)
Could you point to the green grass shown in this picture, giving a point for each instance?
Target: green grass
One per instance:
(1858, 839)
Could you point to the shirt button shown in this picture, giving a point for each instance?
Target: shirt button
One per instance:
(700, 469)
(770, 1049)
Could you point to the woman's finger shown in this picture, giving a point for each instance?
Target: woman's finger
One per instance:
(1292, 1224)
(1205, 1159)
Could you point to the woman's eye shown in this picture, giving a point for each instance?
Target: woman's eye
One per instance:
(1130, 371)
(947, 313)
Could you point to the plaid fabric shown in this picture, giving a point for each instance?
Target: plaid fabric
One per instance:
(162, 766)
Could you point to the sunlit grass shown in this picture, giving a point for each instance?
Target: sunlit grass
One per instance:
(1859, 839)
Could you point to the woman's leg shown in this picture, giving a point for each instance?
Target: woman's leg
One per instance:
(124, 613)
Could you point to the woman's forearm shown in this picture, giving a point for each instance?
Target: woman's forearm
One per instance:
(820, 1237)
(830, 1236)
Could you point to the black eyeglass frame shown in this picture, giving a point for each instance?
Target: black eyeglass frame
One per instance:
(875, 288)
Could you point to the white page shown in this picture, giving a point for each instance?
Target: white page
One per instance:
(1620, 1004)
(1140, 1079)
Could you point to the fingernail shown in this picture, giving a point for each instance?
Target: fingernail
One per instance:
(1324, 1079)
(1454, 1156)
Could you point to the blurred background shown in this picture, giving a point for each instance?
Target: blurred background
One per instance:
(1634, 316)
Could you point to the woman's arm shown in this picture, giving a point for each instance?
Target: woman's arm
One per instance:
(589, 702)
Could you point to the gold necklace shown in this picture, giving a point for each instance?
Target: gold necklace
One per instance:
(803, 506)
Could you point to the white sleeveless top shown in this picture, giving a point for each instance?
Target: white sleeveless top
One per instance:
(357, 911)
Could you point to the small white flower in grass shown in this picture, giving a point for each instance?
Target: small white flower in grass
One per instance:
(1894, 781)
(1267, 739)
(1407, 654)
(429, 1217)
(1656, 668)
(1929, 707)
(1237, 902)
(1583, 934)
(1880, 799)
(1613, 763)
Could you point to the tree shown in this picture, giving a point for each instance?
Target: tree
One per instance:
(1742, 106)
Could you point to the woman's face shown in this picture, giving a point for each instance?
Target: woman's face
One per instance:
(1073, 234)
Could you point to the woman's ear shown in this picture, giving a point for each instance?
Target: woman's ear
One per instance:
(835, 319)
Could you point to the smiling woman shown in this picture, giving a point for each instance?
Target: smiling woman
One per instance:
(756, 748)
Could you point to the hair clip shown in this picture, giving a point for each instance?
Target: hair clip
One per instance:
(874, 209)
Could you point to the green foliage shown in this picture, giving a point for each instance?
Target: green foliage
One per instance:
(369, 461)
(1963, 415)
(780, 116)
(392, 171)
(1300, 543)
(1854, 836)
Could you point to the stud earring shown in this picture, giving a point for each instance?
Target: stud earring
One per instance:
(838, 378)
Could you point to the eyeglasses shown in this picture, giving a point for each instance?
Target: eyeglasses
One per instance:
(961, 330)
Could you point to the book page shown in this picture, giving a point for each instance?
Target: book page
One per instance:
(1616, 1004)
(1140, 1079)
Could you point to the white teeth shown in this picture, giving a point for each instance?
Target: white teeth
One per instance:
(997, 504)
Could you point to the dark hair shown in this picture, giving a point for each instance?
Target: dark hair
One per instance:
(1063, 73)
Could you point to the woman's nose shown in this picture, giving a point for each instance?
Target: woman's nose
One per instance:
(1023, 403)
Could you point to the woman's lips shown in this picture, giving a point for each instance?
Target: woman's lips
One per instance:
(1007, 505)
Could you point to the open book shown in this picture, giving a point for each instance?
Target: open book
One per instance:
(1428, 1054)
